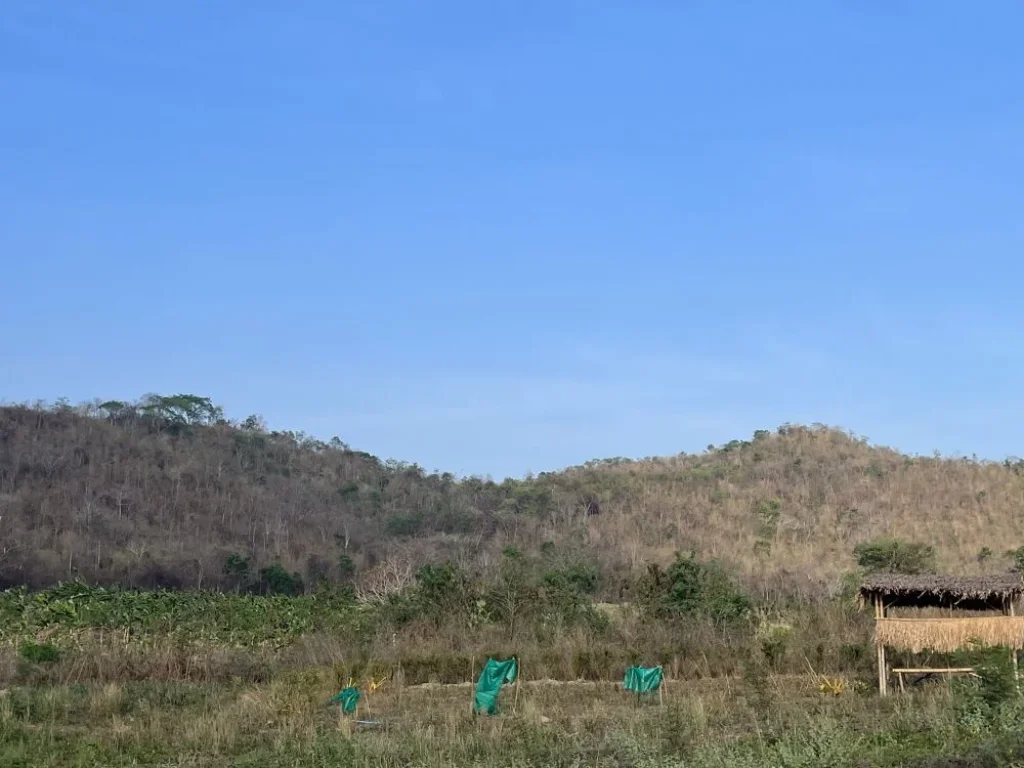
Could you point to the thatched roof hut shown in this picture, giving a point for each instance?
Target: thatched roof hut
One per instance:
(943, 634)
(969, 593)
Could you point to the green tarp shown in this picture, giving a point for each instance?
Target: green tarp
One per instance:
(492, 677)
(643, 679)
(347, 700)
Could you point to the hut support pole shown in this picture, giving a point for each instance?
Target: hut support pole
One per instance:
(883, 683)
(1013, 653)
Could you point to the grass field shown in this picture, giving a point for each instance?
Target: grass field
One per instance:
(770, 721)
(97, 677)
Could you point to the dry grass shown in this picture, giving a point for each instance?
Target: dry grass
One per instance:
(832, 637)
(438, 716)
(781, 720)
(946, 635)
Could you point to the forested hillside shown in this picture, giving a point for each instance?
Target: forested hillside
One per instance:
(167, 492)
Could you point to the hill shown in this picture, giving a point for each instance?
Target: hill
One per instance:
(167, 492)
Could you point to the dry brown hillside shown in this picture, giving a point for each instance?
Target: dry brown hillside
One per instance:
(798, 501)
(165, 492)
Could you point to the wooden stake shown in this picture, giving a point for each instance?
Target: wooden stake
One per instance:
(345, 725)
(519, 678)
(399, 681)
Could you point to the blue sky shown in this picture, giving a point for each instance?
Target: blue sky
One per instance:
(512, 236)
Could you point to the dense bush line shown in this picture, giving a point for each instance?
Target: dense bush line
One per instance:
(198, 617)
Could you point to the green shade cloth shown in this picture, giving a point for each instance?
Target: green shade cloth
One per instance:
(643, 679)
(347, 699)
(492, 677)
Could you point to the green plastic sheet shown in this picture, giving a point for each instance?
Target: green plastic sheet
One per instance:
(492, 677)
(643, 679)
(347, 699)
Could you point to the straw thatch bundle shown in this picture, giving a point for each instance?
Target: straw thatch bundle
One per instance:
(947, 635)
(922, 591)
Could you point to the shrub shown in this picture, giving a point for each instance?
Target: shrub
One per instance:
(564, 596)
(512, 596)
(39, 653)
(979, 702)
(769, 512)
(579, 578)
(404, 525)
(774, 639)
(444, 591)
(237, 569)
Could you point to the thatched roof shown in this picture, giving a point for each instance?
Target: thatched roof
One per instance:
(948, 635)
(967, 592)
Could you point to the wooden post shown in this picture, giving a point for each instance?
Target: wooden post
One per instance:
(1013, 655)
(519, 678)
(883, 683)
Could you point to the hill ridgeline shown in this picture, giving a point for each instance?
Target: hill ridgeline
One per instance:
(166, 492)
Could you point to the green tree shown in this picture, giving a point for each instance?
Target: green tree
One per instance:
(1016, 558)
(890, 555)
(117, 409)
(692, 587)
(253, 423)
(346, 568)
(181, 410)
(275, 580)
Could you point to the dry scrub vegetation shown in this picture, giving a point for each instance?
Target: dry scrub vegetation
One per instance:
(161, 492)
